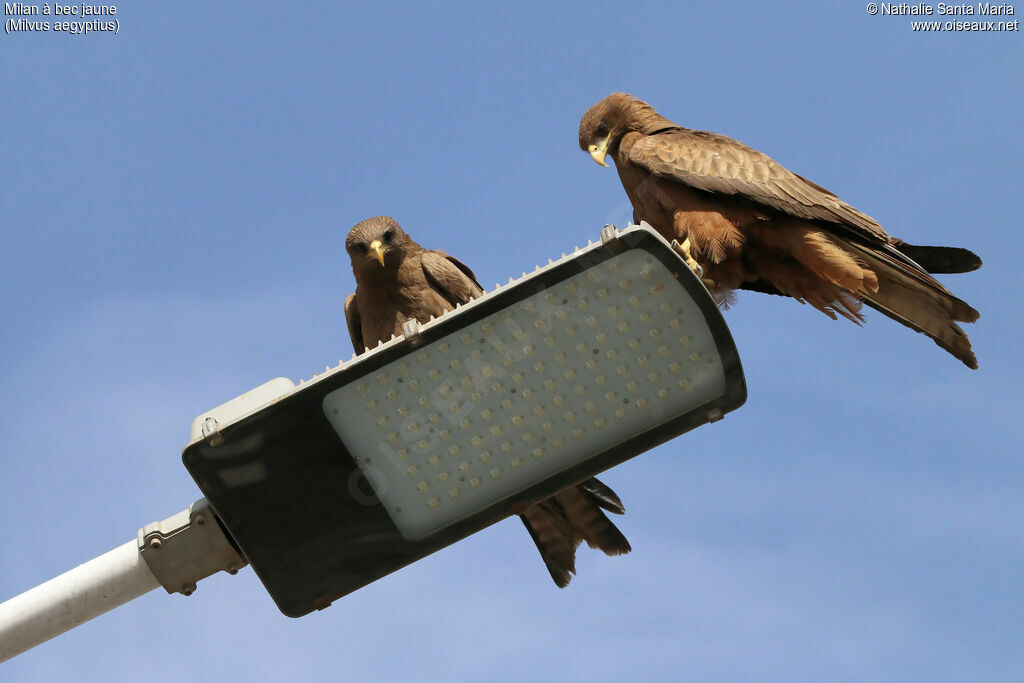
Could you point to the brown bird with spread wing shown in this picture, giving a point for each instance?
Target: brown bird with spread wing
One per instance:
(749, 223)
(398, 280)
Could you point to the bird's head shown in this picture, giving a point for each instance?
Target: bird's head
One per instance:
(604, 124)
(375, 242)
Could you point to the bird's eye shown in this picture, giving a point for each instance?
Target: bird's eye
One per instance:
(388, 236)
(602, 129)
(363, 248)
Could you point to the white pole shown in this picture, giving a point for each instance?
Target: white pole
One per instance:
(73, 598)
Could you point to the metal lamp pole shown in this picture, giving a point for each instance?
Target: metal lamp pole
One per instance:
(175, 553)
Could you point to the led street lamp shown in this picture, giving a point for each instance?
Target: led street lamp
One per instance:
(435, 435)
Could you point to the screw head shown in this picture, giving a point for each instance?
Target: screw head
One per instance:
(155, 543)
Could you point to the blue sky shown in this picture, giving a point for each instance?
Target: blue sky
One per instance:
(172, 215)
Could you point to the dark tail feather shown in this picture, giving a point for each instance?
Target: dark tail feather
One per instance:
(937, 260)
(910, 296)
(603, 496)
(559, 524)
(553, 536)
(940, 259)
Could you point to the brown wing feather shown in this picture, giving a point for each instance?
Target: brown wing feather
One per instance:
(825, 253)
(465, 270)
(715, 163)
(355, 325)
(450, 277)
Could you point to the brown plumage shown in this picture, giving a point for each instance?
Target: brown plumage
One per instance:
(398, 280)
(752, 224)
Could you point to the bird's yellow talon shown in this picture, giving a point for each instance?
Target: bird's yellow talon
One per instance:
(683, 249)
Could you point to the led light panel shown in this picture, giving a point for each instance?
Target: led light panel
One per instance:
(527, 392)
(534, 387)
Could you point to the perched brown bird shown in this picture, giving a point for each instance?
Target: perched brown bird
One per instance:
(749, 223)
(398, 280)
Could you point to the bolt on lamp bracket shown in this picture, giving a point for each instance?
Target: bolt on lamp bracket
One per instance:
(187, 547)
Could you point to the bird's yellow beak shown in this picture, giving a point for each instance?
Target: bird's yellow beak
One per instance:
(598, 152)
(378, 251)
